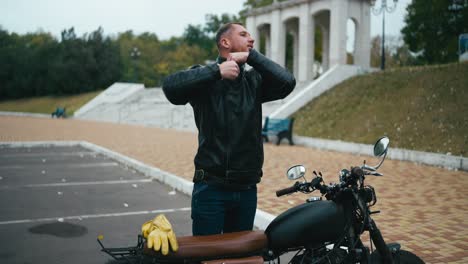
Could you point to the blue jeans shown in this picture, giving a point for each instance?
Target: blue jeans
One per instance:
(216, 210)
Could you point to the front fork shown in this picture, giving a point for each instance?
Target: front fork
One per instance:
(379, 242)
(374, 231)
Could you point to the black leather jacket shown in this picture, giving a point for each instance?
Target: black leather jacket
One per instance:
(228, 114)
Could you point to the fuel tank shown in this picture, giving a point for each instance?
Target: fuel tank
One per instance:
(307, 224)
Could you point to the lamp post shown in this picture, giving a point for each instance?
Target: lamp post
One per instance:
(134, 54)
(382, 10)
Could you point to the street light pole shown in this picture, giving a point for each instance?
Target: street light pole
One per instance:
(381, 10)
(134, 54)
(382, 61)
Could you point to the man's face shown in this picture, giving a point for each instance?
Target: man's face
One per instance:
(239, 39)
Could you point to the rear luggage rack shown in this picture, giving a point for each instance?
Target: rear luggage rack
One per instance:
(129, 254)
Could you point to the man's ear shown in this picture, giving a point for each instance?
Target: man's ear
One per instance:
(225, 43)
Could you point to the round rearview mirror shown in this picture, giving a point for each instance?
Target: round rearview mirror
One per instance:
(381, 146)
(296, 172)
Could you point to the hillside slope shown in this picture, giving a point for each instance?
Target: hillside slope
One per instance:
(419, 108)
(48, 104)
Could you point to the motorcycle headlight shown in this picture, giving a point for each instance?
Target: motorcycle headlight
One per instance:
(344, 173)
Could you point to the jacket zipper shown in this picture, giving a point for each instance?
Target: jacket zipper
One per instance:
(226, 117)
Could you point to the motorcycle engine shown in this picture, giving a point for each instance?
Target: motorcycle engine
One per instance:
(323, 256)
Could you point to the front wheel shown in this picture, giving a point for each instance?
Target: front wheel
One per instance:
(401, 257)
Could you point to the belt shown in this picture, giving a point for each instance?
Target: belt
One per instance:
(230, 179)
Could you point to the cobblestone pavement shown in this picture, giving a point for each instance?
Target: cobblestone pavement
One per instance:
(422, 207)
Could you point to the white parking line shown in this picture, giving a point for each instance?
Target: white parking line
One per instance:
(86, 183)
(12, 167)
(81, 217)
(92, 165)
(62, 165)
(55, 184)
(47, 154)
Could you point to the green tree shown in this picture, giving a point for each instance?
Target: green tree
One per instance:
(25, 63)
(105, 61)
(433, 27)
(397, 53)
(204, 36)
(37, 64)
(214, 22)
(196, 36)
(159, 58)
(289, 56)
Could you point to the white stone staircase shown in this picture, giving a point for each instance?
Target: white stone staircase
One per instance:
(270, 107)
(143, 106)
(309, 91)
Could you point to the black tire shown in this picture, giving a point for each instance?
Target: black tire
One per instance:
(402, 257)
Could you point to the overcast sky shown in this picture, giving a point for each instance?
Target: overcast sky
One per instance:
(165, 18)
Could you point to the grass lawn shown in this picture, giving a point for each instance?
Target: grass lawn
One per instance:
(48, 104)
(420, 108)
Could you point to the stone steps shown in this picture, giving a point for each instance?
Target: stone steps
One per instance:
(270, 107)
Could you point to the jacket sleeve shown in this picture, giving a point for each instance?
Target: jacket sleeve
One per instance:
(183, 86)
(277, 82)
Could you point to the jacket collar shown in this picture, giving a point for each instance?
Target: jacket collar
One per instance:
(220, 60)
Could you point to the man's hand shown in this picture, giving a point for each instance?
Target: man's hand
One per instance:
(239, 57)
(229, 70)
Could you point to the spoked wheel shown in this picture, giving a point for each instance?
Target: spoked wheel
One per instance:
(402, 257)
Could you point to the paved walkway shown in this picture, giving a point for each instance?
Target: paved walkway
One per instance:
(422, 207)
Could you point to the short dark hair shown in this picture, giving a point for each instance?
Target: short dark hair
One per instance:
(223, 29)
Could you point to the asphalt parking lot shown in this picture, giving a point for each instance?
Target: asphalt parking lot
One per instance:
(55, 201)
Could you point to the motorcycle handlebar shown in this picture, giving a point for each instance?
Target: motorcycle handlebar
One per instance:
(288, 190)
(323, 188)
(316, 184)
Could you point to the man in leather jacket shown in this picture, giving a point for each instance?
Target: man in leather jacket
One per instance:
(227, 104)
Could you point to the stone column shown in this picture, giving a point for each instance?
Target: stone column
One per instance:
(363, 40)
(268, 42)
(338, 19)
(264, 32)
(325, 47)
(251, 26)
(296, 52)
(306, 44)
(278, 38)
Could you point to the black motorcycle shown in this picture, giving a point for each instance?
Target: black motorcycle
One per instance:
(319, 231)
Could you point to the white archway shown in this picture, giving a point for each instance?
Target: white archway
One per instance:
(263, 39)
(351, 27)
(299, 20)
(292, 44)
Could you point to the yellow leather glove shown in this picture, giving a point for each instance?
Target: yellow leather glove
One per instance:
(146, 228)
(160, 235)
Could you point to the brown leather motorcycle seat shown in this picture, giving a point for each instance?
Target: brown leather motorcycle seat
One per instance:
(212, 246)
(248, 260)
